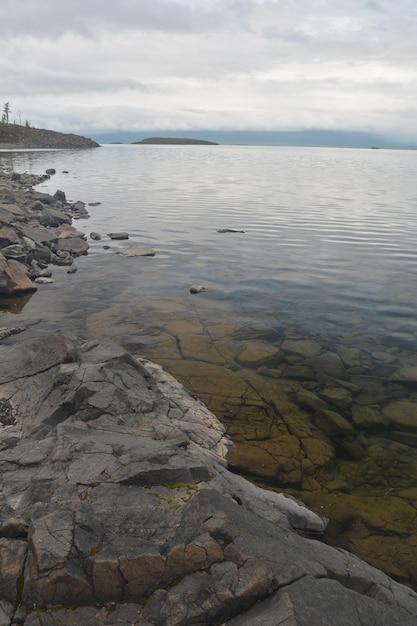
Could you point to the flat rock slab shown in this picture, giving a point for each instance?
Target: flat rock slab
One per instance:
(116, 501)
(137, 251)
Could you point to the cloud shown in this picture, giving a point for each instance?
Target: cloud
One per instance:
(255, 64)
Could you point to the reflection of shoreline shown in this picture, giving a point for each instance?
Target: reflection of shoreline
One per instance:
(15, 304)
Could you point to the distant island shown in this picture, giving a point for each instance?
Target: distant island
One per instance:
(15, 136)
(176, 141)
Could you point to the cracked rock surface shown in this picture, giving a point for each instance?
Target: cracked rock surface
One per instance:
(117, 507)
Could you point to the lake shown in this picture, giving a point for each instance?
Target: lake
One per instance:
(304, 342)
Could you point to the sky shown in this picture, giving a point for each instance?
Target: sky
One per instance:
(101, 65)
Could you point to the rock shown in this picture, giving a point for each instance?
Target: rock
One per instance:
(332, 424)
(301, 347)
(255, 353)
(310, 401)
(60, 196)
(120, 235)
(132, 515)
(13, 280)
(369, 418)
(338, 397)
(51, 217)
(197, 289)
(402, 415)
(137, 251)
(43, 280)
(338, 485)
(72, 269)
(229, 230)
(18, 252)
(78, 210)
(11, 213)
(75, 246)
(328, 364)
(95, 236)
(406, 375)
(8, 237)
(50, 171)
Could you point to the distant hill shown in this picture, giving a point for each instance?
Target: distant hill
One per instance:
(16, 136)
(177, 141)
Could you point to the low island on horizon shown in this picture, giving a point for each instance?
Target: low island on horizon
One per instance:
(175, 141)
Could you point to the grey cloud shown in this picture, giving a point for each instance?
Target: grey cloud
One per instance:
(54, 17)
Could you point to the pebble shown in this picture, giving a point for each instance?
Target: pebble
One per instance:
(197, 289)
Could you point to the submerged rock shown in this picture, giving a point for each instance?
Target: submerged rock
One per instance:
(137, 251)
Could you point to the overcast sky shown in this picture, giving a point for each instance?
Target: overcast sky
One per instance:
(93, 65)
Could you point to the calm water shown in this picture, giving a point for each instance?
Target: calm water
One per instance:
(325, 269)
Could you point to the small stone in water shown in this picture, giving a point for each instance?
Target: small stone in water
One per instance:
(197, 289)
(95, 236)
(43, 280)
(119, 235)
(72, 269)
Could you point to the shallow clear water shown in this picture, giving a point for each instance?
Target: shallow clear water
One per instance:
(328, 257)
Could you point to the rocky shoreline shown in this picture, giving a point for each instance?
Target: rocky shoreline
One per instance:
(117, 507)
(117, 503)
(35, 232)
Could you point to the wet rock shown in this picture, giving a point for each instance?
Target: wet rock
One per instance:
(299, 372)
(229, 230)
(95, 236)
(10, 213)
(50, 171)
(328, 363)
(301, 347)
(51, 218)
(38, 196)
(338, 485)
(197, 289)
(17, 252)
(372, 390)
(337, 397)
(43, 280)
(256, 353)
(8, 237)
(406, 375)
(369, 418)
(402, 415)
(332, 424)
(60, 196)
(78, 210)
(14, 281)
(353, 358)
(119, 235)
(136, 250)
(310, 401)
(353, 448)
(75, 246)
